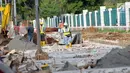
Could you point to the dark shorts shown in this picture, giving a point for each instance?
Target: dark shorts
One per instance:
(42, 37)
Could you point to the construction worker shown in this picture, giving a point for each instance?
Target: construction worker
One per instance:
(67, 35)
(30, 30)
(61, 25)
(42, 33)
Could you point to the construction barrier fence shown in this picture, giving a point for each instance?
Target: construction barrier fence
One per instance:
(102, 18)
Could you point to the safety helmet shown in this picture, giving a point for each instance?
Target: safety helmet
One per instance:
(60, 21)
(41, 23)
(65, 24)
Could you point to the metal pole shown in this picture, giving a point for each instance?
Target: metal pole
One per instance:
(37, 24)
(15, 13)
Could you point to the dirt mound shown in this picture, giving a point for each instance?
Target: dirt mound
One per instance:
(88, 30)
(116, 58)
(40, 55)
(106, 36)
(113, 36)
(20, 43)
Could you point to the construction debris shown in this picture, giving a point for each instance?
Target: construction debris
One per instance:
(40, 55)
(19, 43)
(68, 67)
(24, 57)
(116, 58)
(77, 39)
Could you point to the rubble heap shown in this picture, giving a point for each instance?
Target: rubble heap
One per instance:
(19, 43)
(116, 58)
(40, 55)
(68, 67)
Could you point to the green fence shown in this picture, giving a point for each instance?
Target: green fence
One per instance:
(79, 19)
(93, 18)
(122, 18)
(82, 19)
(106, 18)
(87, 19)
(98, 18)
(114, 16)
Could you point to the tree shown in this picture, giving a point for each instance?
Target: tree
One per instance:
(92, 4)
(25, 9)
(51, 7)
(74, 6)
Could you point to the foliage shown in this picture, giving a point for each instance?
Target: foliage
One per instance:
(52, 7)
(25, 9)
(49, 8)
(74, 6)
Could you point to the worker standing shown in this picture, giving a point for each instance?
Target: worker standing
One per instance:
(42, 33)
(67, 36)
(30, 30)
(61, 25)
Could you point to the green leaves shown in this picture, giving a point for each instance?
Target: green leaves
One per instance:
(74, 7)
(25, 9)
(51, 7)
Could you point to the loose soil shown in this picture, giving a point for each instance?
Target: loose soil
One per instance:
(92, 34)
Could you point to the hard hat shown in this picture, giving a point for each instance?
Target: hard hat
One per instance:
(41, 23)
(65, 24)
(60, 21)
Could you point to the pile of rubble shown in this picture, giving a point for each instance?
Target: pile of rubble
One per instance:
(12, 55)
(56, 58)
(116, 58)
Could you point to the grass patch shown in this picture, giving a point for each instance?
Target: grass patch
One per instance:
(113, 30)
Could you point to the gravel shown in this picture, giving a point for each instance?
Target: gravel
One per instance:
(116, 58)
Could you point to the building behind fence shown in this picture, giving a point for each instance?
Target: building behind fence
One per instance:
(102, 18)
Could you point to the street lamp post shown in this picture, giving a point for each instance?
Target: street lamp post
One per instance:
(37, 23)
